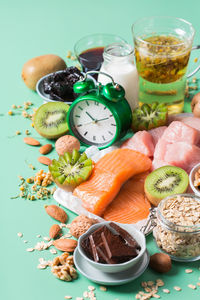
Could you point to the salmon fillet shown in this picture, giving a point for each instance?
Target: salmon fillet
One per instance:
(130, 205)
(109, 174)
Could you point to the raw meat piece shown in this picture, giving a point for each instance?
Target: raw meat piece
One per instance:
(109, 174)
(179, 132)
(182, 155)
(160, 149)
(130, 205)
(157, 133)
(142, 141)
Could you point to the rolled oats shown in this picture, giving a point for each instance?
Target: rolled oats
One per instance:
(20, 234)
(53, 251)
(166, 291)
(103, 288)
(175, 232)
(188, 271)
(177, 288)
(68, 297)
(192, 286)
(30, 249)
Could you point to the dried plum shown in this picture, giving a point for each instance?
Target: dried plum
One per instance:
(59, 85)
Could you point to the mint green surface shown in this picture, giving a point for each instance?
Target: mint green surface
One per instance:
(32, 28)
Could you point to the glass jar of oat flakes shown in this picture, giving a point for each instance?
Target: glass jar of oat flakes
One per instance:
(178, 227)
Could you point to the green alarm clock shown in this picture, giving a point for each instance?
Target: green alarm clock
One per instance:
(101, 115)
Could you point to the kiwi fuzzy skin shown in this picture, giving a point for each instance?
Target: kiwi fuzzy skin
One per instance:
(154, 200)
(65, 187)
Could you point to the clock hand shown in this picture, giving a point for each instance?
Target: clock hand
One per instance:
(90, 116)
(102, 119)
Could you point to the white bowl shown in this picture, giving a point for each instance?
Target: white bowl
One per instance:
(191, 179)
(47, 97)
(114, 268)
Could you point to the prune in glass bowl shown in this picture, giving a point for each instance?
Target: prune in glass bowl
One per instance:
(59, 85)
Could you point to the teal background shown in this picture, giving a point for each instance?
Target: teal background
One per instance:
(32, 28)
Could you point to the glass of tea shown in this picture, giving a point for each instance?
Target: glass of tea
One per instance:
(162, 51)
(89, 50)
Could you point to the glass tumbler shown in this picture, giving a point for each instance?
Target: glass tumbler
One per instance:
(162, 51)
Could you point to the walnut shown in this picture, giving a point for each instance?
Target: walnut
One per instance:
(80, 225)
(62, 267)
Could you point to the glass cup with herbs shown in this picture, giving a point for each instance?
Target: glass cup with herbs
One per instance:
(162, 51)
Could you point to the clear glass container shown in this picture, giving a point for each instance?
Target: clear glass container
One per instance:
(181, 242)
(119, 63)
(162, 51)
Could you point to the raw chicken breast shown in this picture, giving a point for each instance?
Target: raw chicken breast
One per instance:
(157, 133)
(179, 132)
(142, 142)
(160, 149)
(182, 155)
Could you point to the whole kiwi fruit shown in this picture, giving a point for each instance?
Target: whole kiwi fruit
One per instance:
(195, 105)
(39, 66)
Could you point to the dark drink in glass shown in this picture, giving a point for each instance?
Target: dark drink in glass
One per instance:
(89, 50)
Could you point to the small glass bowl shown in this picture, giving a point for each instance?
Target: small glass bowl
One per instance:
(181, 242)
(191, 179)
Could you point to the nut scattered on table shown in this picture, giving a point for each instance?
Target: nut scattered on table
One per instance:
(80, 225)
(54, 231)
(63, 267)
(160, 262)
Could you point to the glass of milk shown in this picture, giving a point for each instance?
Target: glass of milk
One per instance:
(119, 63)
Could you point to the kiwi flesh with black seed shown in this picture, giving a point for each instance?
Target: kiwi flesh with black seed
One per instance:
(50, 120)
(165, 181)
(71, 169)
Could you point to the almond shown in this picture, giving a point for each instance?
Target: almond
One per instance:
(56, 212)
(44, 160)
(54, 231)
(65, 245)
(45, 149)
(160, 262)
(31, 141)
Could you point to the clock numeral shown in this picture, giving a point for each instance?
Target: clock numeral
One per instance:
(77, 116)
(94, 138)
(79, 125)
(103, 137)
(87, 103)
(80, 107)
(110, 132)
(96, 103)
(113, 124)
(85, 133)
(105, 107)
(111, 116)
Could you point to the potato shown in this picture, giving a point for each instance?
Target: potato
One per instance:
(40, 66)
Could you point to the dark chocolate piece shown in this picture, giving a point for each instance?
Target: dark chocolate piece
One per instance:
(125, 235)
(109, 254)
(94, 250)
(105, 246)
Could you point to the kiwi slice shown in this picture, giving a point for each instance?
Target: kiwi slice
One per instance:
(50, 120)
(165, 181)
(71, 169)
(149, 116)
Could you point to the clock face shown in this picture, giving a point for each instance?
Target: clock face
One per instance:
(93, 123)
